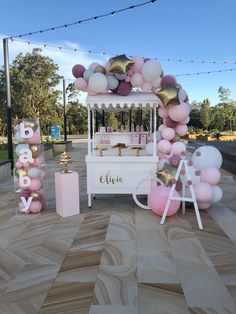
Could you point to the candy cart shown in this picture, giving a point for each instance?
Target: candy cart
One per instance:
(116, 160)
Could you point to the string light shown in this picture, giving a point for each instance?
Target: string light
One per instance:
(206, 72)
(115, 54)
(94, 18)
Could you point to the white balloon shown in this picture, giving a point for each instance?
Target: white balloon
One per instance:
(151, 70)
(194, 174)
(161, 127)
(207, 156)
(217, 194)
(19, 147)
(18, 137)
(98, 82)
(87, 74)
(112, 82)
(158, 136)
(34, 172)
(157, 82)
(120, 76)
(182, 95)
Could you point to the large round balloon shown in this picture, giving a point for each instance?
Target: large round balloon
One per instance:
(98, 82)
(203, 191)
(157, 200)
(112, 82)
(179, 112)
(217, 194)
(151, 70)
(78, 70)
(210, 175)
(124, 88)
(207, 156)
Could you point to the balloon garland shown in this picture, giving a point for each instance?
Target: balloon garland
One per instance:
(120, 75)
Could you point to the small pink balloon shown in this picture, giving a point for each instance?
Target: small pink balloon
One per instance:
(130, 72)
(164, 146)
(146, 86)
(35, 207)
(178, 148)
(162, 112)
(35, 184)
(81, 84)
(90, 91)
(127, 79)
(168, 134)
(179, 112)
(124, 88)
(210, 175)
(93, 66)
(203, 192)
(181, 130)
(78, 70)
(203, 206)
(157, 200)
(25, 165)
(138, 64)
(136, 80)
(170, 123)
(18, 164)
(168, 80)
(175, 160)
(107, 66)
(34, 139)
(38, 161)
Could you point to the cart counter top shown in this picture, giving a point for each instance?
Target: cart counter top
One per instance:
(121, 159)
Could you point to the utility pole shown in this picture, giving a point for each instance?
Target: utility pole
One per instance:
(8, 101)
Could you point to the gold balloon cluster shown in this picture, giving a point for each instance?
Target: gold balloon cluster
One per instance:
(30, 123)
(64, 160)
(120, 64)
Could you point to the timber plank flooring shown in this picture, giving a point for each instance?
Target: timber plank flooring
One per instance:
(116, 258)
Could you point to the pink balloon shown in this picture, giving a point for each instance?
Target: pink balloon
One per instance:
(38, 161)
(90, 91)
(81, 84)
(136, 80)
(175, 160)
(107, 66)
(127, 79)
(181, 130)
(178, 148)
(169, 81)
(170, 123)
(203, 206)
(124, 88)
(168, 134)
(138, 64)
(161, 127)
(25, 193)
(34, 139)
(146, 86)
(185, 121)
(35, 184)
(25, 164)
(78, 70)
(18, 164)
(164, 146)
(93, 66)
(179, 112)
(210, 175)
(203, 192)
(162, 112)
(130, 72)
(157, 200)
(35, 207)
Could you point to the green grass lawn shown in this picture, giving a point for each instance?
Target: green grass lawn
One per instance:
(3, 154)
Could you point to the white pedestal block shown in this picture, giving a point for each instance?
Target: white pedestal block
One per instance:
(67, 194)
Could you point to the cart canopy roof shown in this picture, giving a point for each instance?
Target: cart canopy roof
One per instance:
(114, 102)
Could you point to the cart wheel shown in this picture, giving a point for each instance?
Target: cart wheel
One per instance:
(141, 180)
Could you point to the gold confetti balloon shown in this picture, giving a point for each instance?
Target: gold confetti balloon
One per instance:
(100, 69)
(35, 150)
(35, 196)
(168, 95)
(22, 172)
(30, 123)
(120, 64)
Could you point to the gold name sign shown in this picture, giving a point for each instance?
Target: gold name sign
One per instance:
(108, 178)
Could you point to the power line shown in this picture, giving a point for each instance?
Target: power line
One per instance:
(93, 18)
(44, 45)
(206, 72)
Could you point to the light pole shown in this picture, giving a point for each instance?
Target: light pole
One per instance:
(64, 110)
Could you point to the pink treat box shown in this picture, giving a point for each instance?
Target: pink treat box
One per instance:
(67, 194)
(135, 139)
(143, 139)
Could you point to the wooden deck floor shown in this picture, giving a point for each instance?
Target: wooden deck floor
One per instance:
(116, 258)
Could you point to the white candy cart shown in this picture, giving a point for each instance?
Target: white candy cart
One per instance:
(110, 173)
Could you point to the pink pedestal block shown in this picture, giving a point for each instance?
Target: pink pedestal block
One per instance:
(67, 194)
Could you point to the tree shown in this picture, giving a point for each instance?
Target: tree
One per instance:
(224, 94)
(33, 88)
(195, 115)
(205, 114)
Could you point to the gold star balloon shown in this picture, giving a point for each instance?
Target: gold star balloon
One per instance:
(167, 174)
(168, 95)
(120, 64)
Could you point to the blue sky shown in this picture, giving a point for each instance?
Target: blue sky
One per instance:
(183, 29)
